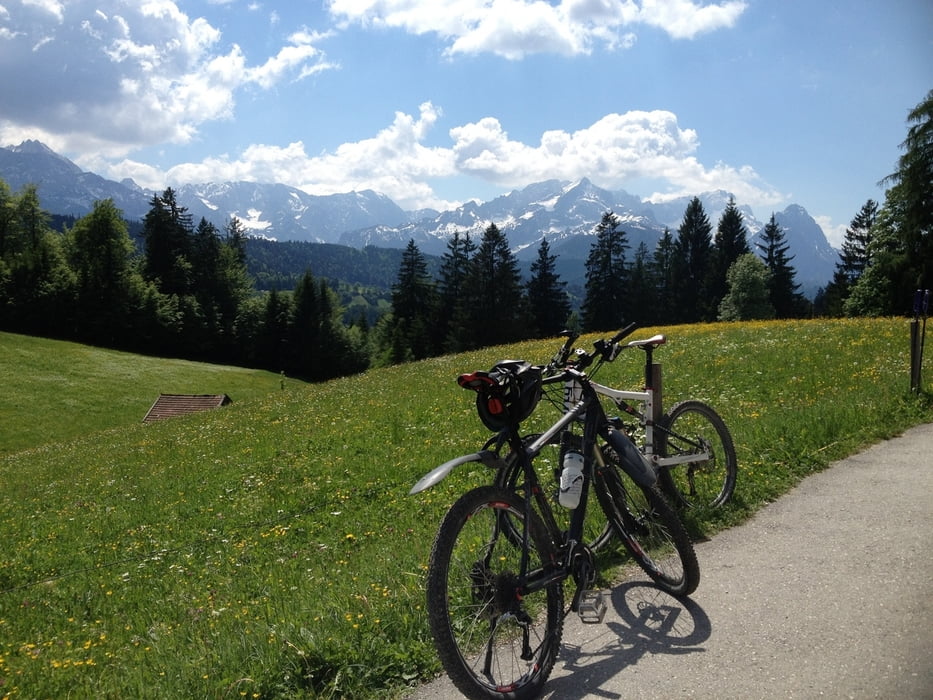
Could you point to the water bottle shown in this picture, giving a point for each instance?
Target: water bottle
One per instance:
(571, 480)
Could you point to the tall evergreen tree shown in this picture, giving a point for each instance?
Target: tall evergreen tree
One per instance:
(7, 217)
(233, 283)
(605, 296)
(787, 302)
(414, 309)
(492, 308)
(692, 252)
(306, 326)
(32, 220)
(36, 277)
(272, 338)
(100, 252)
(453, 273)
(909, 209)
(548, 303)
(730, 242)
(236, 240)
(643, 286)
(167, 233)
(885, 286)
(663, 267)
(853, 259)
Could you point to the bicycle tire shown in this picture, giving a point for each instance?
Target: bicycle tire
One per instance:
(687, 427)
(491, 641)
(650, 529)
(597, 530)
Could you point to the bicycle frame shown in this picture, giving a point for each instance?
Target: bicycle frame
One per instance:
(650, 397)
(576, 560)
(647, 397)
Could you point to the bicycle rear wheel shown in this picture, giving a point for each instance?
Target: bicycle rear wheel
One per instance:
(693, 427)
(494, 639)
(649, 528)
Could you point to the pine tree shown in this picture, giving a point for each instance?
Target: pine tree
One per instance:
(167, 235)
(236, 240)
(547, 301)
(912, 180)
(662, 264)
(855, 247)
(885, 286)
(453, 272)
(643, 286)
(305, 325)
(100, 252)
(7, 218)
(36, 277)
(692, 251)
(605, 298)
(853, 259)
(414, 309)
(492, 308)
(272, 338)
(787, 302)
(234, 285)
(730, 243)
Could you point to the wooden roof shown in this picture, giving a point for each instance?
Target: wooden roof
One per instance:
(171, 405)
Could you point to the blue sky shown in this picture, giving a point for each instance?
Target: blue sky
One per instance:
(436, 102)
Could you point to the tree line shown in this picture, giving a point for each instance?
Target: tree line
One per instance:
(185, 290)
(479, 297)
(695, 275)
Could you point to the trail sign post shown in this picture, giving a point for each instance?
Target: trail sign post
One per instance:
(917, 336)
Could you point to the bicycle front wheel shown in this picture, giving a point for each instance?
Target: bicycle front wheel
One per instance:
(693, 428)
(494, 639)
(650, 529)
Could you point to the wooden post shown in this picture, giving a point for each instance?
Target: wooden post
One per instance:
(915, 356)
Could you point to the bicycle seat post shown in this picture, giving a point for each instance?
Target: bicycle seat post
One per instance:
(653, 383)
(649, 350)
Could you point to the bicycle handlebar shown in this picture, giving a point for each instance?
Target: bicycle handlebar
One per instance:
(608, 350)
(624, 333)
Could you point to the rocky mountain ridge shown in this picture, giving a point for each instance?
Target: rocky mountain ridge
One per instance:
(565, 212)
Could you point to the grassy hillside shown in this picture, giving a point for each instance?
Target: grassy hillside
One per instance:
(270, 549)
(56, 391)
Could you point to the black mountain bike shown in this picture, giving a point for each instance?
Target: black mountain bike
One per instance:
(495, 596)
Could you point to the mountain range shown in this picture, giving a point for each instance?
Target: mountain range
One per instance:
(565, 212)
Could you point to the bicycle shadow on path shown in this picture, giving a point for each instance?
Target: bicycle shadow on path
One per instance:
(647, 621)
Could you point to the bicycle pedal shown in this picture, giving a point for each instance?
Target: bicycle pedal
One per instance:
(592, 607)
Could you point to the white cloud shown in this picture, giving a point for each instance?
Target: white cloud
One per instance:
(119, 76)
(515, 28)
(52, 7)
(685, 19)
(613, 152)
(835, 233)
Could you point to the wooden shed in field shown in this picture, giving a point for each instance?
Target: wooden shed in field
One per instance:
(171, 405)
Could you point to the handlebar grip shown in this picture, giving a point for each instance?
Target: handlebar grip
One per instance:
(625, 332)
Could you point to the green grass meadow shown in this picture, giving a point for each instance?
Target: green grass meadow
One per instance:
(269, 549)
